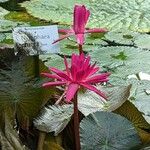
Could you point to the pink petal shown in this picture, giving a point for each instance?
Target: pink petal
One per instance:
(81, 16)
(80, 38)
(60, 73)
(62, 37)
(96, 30)
(87, 16)
(48, 84)
(93, 71)
(71, 91)
(66, 64)
(53, 76)
(64, 31)
(92, 88)
(98, 78)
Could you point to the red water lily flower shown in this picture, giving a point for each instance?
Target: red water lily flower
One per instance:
(80, 74)
(81, 16)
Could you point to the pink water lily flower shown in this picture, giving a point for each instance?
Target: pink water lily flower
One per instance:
(81, 16)
(80, 74)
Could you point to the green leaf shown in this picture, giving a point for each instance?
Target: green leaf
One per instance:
(9, 138)
(2, 36)
(21, 91)
(121, 37)
(142, 41)
(53, 60)
(3, 12)
(90, 102)
(113, 15)
(141, 97)
(107, 131)
(7, 25)
(24, 17)
(121, 61)
(54, 118)
(129, 111)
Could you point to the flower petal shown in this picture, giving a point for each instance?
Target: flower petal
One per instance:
(64, 31)
(96, 30)
(53, 76)
(92, 88)
(98, 78)
(62, 37)
(71, 91)
(80, 38)
(81, 15)
(66, 64)
(60, 73)
(48, 84)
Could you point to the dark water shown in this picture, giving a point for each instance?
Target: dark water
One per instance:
(12, 5)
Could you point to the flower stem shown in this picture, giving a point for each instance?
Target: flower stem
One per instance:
(76, 123)
(41, 140)
(80, 49)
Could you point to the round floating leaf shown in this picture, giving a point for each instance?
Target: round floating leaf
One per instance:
(53, 60)
(7, 25)
(59, 11)
(142, 97)
(121, 37)
(68, 49)
(129, 111)
(107, 131)
(90, 102)
(54, 118)
(114, 14)
(121, 61)
(143, 41)
(2, 36)
(3, 12)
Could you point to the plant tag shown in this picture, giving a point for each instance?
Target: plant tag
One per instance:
(36, 40)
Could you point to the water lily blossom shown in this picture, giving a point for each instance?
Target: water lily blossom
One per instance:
(80, 74)
(81, 16)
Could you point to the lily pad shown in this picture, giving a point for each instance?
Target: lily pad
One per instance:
(54, 118)
(142, 41)
(107, 131)
(113, 15)
(53, 60)
(3, 12)
(121, 61)
(90, 102)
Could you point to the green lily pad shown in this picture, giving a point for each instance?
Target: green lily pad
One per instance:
(113, 15)
(89, 101)
(121, 37)
(54, 118)
(53, 60)
(107, 131)
(143, 41)
(3, 12)
(121, 61)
